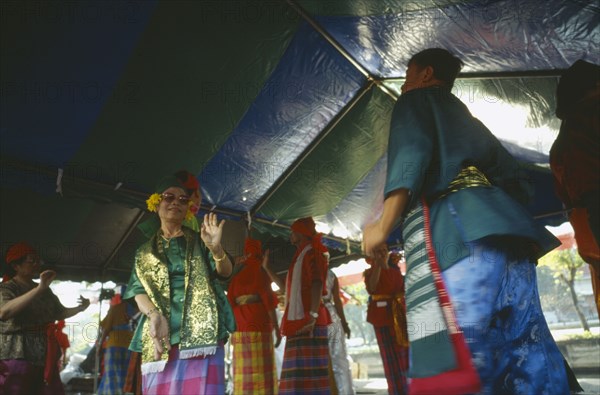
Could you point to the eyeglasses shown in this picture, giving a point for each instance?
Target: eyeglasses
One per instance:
(169, 198)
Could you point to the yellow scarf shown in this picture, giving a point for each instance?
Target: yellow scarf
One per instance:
(199, 326)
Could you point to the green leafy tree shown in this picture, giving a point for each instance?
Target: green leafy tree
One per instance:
(554, 294)
(567, 266)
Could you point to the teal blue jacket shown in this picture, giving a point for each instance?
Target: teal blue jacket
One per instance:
(432, 137)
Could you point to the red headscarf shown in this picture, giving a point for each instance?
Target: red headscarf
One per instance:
(253, 251)
(16, 252)
(306, 226)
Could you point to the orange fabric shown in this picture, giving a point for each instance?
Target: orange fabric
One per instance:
(312, 268)
(574, 156)
(252, 280)
(390, 282)
(586, 244)
(252, 317)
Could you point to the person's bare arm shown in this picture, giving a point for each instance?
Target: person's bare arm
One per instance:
(273, 318)
(376, 234)
(71, 311)
(272, 275)
(14, 306)
(211, 233)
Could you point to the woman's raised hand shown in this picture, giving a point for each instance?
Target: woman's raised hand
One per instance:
(212, 231)
(46, 278)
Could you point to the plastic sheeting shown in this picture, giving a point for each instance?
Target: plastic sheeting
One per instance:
(490, 36)
(527, 126)
(370, 7)
(361, 206)
(311, 84)
(197, 70)
(338, 164)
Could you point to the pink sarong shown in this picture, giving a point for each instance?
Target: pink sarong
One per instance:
(200, 375)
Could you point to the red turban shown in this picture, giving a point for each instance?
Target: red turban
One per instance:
(18, 251)
(304, 226)
(252, 247)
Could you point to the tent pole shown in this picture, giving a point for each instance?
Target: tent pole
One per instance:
(338, 47)
(328, 37)
(98, 345)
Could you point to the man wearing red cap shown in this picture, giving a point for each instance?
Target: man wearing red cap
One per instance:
(27, 314)
(253, 304)
(306, 357)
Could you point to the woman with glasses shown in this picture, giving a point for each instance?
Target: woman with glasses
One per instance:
(178, 284)
(29, 350)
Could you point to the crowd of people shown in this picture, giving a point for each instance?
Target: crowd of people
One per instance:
(467, 322)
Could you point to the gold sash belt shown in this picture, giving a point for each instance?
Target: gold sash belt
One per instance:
(399, 314)
(468, 177)
(247, 299)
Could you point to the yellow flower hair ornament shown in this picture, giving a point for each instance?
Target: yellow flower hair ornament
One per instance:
(153, 202)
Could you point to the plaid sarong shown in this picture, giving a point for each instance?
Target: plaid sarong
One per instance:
(395, 360)
(253, 363)
(306, 364)
(116, 362)
(198, 376)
